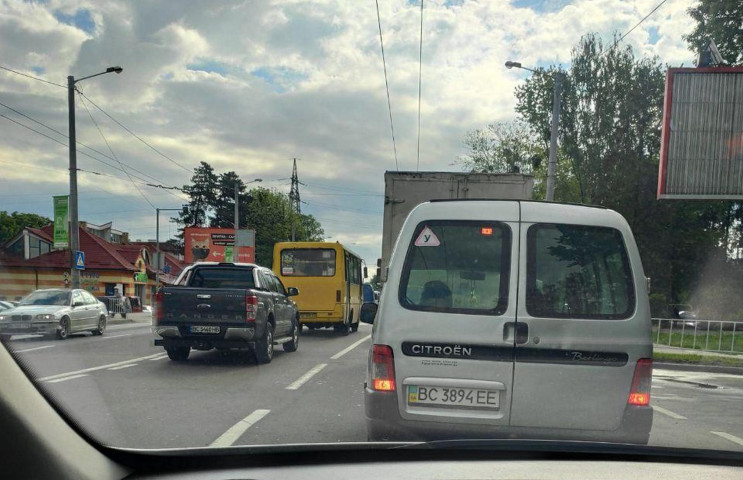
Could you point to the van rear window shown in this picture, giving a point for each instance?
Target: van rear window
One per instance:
(457, 267)
(576, 271)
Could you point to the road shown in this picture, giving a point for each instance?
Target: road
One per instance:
(127, 392)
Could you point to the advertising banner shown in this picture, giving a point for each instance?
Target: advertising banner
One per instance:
(61, 221)
(214, 245)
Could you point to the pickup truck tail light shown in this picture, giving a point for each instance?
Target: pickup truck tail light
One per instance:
(640, 393)
(159, 314)
(382, 368)
(251, 308)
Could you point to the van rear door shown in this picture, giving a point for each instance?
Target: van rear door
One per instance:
(583, 325)
(453, 338)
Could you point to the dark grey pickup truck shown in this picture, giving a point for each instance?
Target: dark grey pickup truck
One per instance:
(228, 306)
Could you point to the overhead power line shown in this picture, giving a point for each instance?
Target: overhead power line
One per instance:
(387, 85)
(144, 181)
(31, 77)
(134, 134)
(636, 25)
(112, 152)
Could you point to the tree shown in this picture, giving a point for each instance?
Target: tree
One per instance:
(502, 147)
(718, 20)
(224, 199)
(609, 141)
(12, 223)
(202, 194)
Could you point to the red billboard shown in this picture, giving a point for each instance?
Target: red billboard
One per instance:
(214, 245)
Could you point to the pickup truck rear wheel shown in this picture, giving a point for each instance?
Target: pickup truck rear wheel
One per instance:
(178, 354)
(292, 346)
(264, 346)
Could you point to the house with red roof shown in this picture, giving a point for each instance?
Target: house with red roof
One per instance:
(29, 261)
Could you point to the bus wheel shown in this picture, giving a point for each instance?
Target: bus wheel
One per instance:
(342, 329)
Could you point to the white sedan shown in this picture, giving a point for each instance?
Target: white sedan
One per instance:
(55, 311)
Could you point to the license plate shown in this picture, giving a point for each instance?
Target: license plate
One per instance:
(453, 397)
(204, 329)
(308, 315)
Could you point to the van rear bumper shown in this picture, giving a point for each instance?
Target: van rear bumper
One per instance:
(384, 423)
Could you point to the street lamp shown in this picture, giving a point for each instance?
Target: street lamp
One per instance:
(74, 232)
(557, 96)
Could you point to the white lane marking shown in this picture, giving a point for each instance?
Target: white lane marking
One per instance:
(668, 413)
(234, 432)
(67, 378)
(304, 378)
(727, 436)
(124, 366)
(32, 349)
(25, 337)
(349, 348)
(159, 358)
(93, 369)
(117, 336)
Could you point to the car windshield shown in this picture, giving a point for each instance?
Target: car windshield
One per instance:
(314, 222)
(49, 297)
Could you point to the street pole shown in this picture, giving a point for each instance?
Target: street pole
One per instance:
(552, 166)
(74, 224)
(74, 232)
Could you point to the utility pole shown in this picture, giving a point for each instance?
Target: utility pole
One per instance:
(74, 224)
(74, 232)
(552, 166)
(294, 199)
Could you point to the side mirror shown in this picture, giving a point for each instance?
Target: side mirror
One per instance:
(368, 312)
(292, 291)
(366, 273)
(77, 303)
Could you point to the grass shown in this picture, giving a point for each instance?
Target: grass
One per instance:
(701, 339)
(692, 358)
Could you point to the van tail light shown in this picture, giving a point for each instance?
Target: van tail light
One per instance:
(251, 308)
(159, 313)
(640, 393)
(383, 369)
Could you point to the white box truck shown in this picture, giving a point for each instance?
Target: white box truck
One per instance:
(403, 191)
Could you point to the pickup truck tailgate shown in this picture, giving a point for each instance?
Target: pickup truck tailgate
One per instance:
(193, 306)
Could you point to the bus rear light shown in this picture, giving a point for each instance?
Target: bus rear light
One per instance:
(383, 368)
(251, 308)
(639, 394)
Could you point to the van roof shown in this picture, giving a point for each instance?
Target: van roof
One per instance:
(437, 200)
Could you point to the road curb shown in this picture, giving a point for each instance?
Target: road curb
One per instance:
(689, 367)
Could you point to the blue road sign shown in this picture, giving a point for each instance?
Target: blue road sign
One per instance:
(79, 260)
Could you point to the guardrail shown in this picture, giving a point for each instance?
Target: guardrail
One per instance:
(707, 335)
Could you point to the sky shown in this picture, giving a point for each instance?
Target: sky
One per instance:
(250, 85)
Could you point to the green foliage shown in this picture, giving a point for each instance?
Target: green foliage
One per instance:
(266, 211)
(718, 20)
(609, 140)
(502, 147)
(12, 223)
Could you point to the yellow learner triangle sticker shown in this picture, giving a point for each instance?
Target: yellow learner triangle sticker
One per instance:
(427, 239)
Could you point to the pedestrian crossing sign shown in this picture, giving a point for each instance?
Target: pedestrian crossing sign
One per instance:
(80, 260)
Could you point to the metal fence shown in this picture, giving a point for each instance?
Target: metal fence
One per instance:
(709, 335)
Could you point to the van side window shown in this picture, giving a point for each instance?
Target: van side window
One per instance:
(457, 267)
(576, 271)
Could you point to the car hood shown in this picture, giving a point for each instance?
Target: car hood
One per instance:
(34, 310)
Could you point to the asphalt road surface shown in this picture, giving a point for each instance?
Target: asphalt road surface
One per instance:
(127, 392)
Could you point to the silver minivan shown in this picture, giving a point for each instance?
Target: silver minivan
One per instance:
(512, 319)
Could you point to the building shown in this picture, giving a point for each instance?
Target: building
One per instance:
(28, 262)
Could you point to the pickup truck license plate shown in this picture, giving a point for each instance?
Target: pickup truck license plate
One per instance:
(204, 329)
(453, 397)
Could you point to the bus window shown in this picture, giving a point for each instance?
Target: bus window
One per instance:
(306, 262)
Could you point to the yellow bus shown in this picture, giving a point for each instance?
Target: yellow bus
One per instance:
(329, 279)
